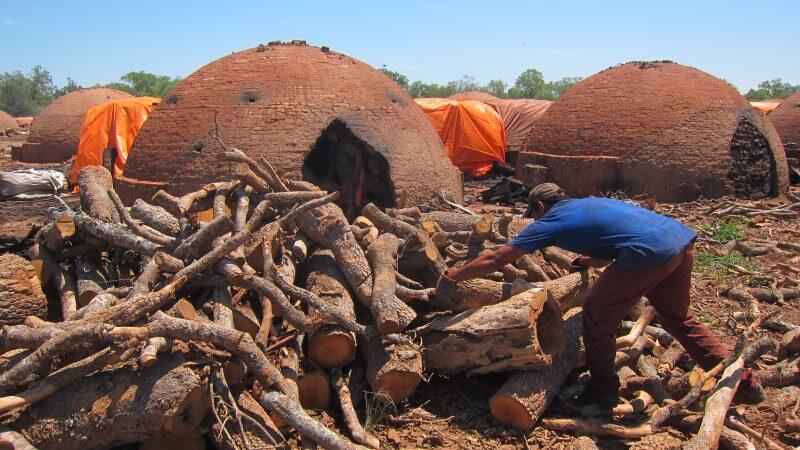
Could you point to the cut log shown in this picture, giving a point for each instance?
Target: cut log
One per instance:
(89, 281)
(61, 279)
(452, 221)
(349, 412)
(779, 375)
(420, 255)
(790, 344)
(94, 182)
(56, 233)
(119, 407)
(20, 291)
(11, 440)
(523, 332)
(331, 345)
(383, 257)
(526, 395)
(181, 441)
(457, 297)
(534, 271)
(314, 387)
(155, 217)
(386, 223)
(571, 291)
(394, 366)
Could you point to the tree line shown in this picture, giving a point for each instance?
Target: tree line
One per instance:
(25, 94)
(531, 84)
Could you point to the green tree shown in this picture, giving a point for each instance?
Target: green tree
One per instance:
(776, 88)
(530, 84)
(144, 84)
(466, 83)
(496, 88)
(396, 76)
(559, 87)
(26, 95)
(67, 88)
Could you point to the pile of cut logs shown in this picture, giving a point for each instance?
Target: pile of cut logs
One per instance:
(230, 311)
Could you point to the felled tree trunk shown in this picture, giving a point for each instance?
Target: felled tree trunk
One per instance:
(20, 290)
(383, 256)
(523, 332)
(119, 407)
(330, 345)
(394, 365)
(470, 294)
(89, 281)
(779, 375)
(452, 221)
(94, 183)
(155, 217)
(571, 290)
(525, 395)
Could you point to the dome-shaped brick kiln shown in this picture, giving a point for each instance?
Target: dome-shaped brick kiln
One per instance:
(786, 118)
(657, 128)
(307, 110)
(55, 131)
(7, 122)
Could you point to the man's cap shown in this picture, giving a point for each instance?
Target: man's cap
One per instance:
(546, 193)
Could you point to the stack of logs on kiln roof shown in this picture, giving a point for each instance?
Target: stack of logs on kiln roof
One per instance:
(273, 304)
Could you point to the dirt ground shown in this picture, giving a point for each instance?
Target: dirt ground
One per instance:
(453, 413)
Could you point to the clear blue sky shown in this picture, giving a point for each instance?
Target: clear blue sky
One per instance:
(744, 42)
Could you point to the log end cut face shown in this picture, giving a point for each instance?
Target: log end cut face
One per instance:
(655, 128)
(333, 349)
(56, 130)
(399, 384)
(512, 412)
(285, 102)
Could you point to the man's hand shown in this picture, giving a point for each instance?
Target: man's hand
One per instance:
(484, 264)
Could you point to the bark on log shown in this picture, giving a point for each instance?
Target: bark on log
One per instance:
(386, 223)
(420, 255)
(394, 366)
(534, 271)
(55, 234)
(294, 415)
(718, 403)
(523, 332)
(155, 217)
(389, 317)
(452, 221)
(89, 281)
(11, 440)
(779, 375)
(470, 294)
(331, 345)
(526, 395)
(571, 291)
(790, 344)
(349, 412)
(118, 407)
(20, 291)
(136, 227)
(114, 234)
(94, 182)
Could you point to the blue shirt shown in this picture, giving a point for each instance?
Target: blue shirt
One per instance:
(607, 229)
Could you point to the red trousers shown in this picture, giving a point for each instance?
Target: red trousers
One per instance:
(667, 287)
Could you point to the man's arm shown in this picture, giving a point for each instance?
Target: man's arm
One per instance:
(485, 264)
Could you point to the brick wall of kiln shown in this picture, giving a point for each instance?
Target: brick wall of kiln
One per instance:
(786, 118)
(275, 104)
(55, 132)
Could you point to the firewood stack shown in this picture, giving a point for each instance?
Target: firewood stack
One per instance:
(234, 309)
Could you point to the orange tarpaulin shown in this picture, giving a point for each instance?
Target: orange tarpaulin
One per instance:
(766, 106)
(111, 124)
(471, 130)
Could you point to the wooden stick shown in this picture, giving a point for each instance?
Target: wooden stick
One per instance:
(12, 440)
(638, 328)
(360, 435)
(293, 414)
